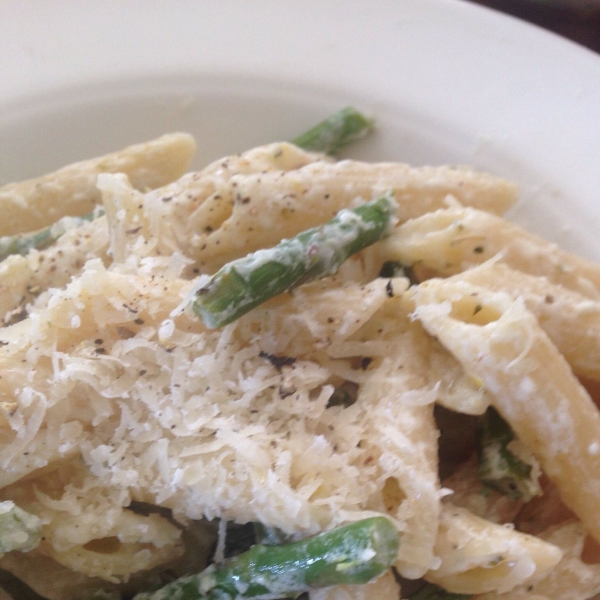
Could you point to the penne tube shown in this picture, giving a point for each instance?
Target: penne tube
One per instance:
(135, 543)
(575, 577)
(571, 320)
(498, 341)
(455, 239)
(126, 424)
(478, 556)
(37, 203)
(268, 207)
(164, 212)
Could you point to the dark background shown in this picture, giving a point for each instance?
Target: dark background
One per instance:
(582, 26)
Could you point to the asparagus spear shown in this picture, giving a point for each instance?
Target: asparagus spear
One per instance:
(434, 592)
(247, 282)
(19, 530)
(498, 467)
(335, 132)
(352, 554)
(23, 243)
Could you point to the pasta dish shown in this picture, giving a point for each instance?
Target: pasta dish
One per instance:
(288, 375)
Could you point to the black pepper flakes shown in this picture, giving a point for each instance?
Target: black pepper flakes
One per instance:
(278, 361)
(478, 249)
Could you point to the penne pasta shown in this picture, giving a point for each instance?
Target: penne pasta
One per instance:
(37, 203)
(571, 320)
(478, 556)
(149, 446)
(500, 342)
(261, 209)
(575, 577)
(455, 239)
(165, 213)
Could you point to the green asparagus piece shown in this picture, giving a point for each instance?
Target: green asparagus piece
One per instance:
(19, 530)
(23, 243)
(245, 283)
(498, 467)
(434, 592)
(352, 554)
(335, 132)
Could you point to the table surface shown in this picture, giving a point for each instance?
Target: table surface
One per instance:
(583, 28)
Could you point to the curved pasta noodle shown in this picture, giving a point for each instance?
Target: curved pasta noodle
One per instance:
(571, 320)
(479, 556)
(164, 214)
(271, 206)
(572, 579)
(324, 465)
(110, 559)
(72, 190)
(120, 543)
(500, 342)
(455, 239)
(312, 410)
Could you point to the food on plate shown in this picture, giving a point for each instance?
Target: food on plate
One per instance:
(243, 284)
(291, 374)
(352, 554)
(335, 132)
(72, 190)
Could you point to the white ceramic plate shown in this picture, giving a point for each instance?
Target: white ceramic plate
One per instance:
(448, 82)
